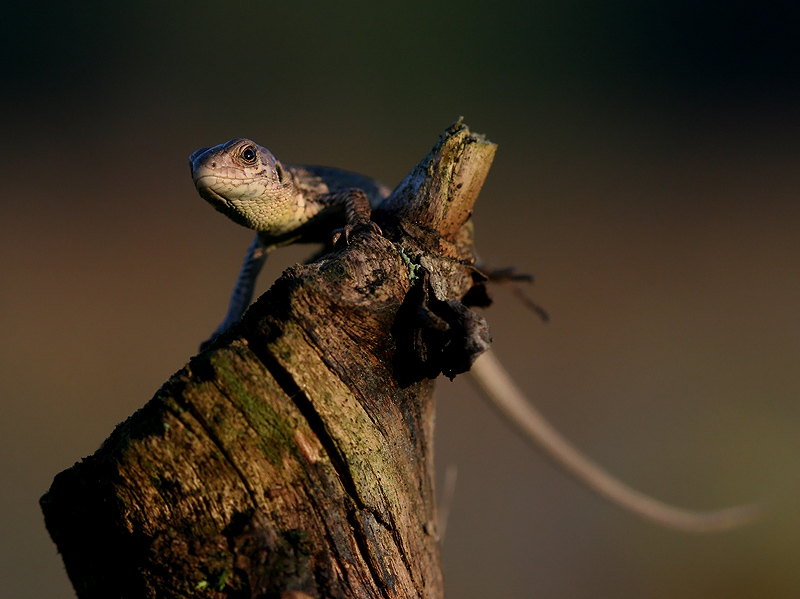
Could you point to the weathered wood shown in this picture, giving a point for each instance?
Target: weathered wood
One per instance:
(295, 455)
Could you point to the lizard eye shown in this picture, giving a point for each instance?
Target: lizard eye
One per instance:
(249, 155)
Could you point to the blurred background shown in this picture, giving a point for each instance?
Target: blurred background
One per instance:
(647, 174)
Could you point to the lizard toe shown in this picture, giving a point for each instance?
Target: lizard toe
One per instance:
(342, 232)
(348, 229)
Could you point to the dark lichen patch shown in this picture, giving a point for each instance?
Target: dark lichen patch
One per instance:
(375, 285)
(285, 353)
(216, 581)
(333, 271)
(274, 560)
(203, 557)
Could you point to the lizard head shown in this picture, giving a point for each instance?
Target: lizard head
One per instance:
(243, 181)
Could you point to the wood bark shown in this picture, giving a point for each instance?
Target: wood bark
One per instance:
(295, 456)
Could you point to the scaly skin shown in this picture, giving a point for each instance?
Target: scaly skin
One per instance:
(248, 185)
(294, 204)
(283, 203)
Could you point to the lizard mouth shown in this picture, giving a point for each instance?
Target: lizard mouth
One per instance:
(212, 197)
(226, 206)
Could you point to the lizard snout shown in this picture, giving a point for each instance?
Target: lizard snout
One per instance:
(196, 158)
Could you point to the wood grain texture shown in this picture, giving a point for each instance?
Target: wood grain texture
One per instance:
(295, 455)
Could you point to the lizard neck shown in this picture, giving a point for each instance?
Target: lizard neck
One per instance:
(294, 204)
(276, 211)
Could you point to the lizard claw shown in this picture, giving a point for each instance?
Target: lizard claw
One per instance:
(337, 234)
(349, 228)
(372, 226)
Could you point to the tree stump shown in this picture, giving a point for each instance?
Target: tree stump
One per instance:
(295, 455)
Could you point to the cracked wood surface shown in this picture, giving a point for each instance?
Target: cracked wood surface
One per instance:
(287, 458)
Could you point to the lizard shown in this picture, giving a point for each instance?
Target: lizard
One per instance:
(288, 204)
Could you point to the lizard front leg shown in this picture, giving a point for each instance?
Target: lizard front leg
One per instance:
(242, 293)
(357, 211)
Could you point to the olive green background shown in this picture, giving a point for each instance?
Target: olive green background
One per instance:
(647, 174)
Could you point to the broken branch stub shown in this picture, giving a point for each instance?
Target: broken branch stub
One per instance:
(434, 202)
(288, 457)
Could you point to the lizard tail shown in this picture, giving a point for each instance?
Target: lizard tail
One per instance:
(504, 394)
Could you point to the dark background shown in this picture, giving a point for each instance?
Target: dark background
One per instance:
(647, 173)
